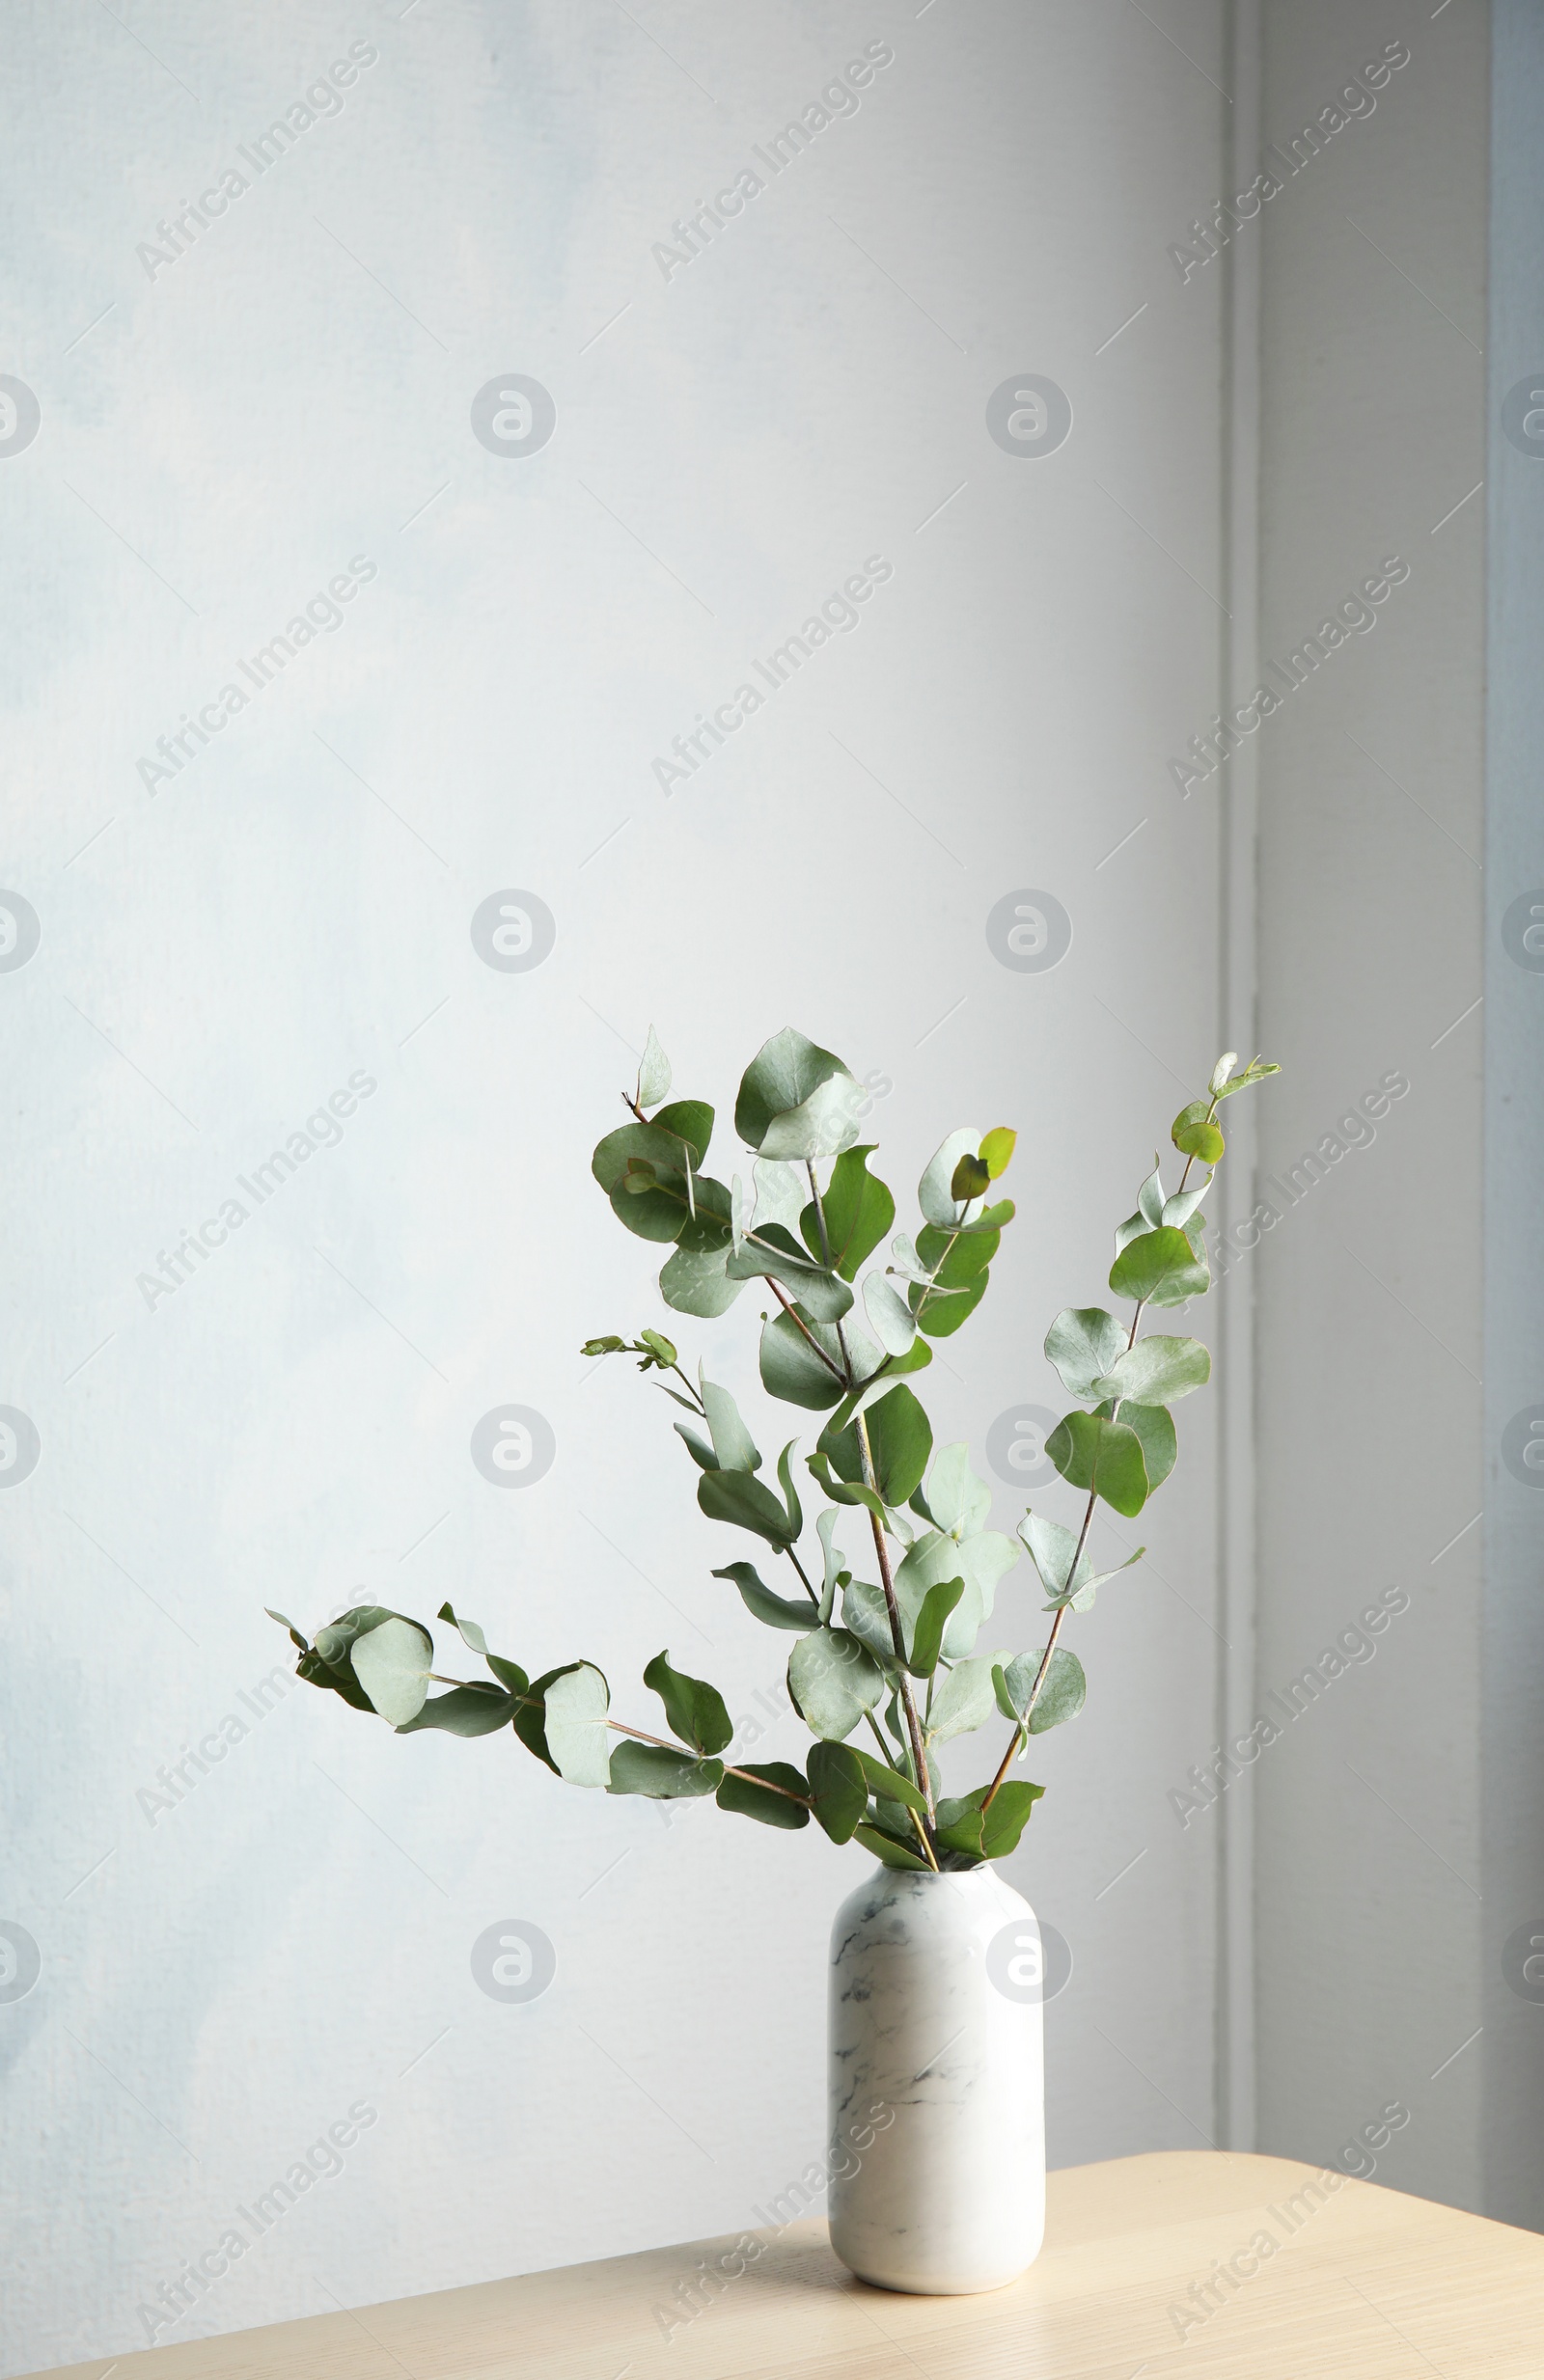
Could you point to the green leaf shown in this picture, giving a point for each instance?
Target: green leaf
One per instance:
(1194, 1133)
(790, 1368)
(578, 1742)
(825, 1529)
(733, 1443)
(934, 1195)
(1160, 1268)
(663, 1775)
(996, 1833)
(844, 1490)
(927, 1630)
(997, 1150)
(980, 1560)
(697, 1281)
(957, 1258)
(888, 1784)
(649, 1213)
(695, 1710)
(1051, 1548)
(740, 1497)
(969, 1180)
(894, 1325)
(859, 1211)
(885, 1847)
(653, 1073)
(1179, 1209)
(956, 1501)
(1082, 1343)
(1156, 1432)
(901, 1439)
(866, 1615)
(773, 1610)
(466, 1711)
(753, 1801)
(838, 1789)
(690, 1120)
(941, 1312)
(1255, 1072)
(635, 1144)
(1155, 1371)
(470, 1633)
(773, 1251)
(962, 1702)
(790, 1495)
(1221, 1072)
(1062, 1697)
(696, 1447)
(392, 1663)
(833, 1680)
(878, 1383)
(781, 1109)
(1106, 1456)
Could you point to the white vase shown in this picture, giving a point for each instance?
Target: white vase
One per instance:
(937, 2083)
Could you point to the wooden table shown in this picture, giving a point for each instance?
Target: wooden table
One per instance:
(1145, 2268)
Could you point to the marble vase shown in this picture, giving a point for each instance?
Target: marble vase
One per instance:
(937, 2092)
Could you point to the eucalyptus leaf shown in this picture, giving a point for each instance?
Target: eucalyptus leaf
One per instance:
(1051, 1548)
(859, 1210)
(1194, 1132)
(899, 1439)
(698, 1281)
(793, 1370)
(789, 1085)
(1178, 1210)
(837, 1788)
(980, 1561)
(653, 1073)
(833, 1680)
(956, 1501)
(1255, 1072)
(742, 1498)
(774, 1253)
(1154, 1427)
(926, 1633)
(467, 1711)
(1104, 1456)
(997, 1150)
(1155, 1371)
(992, 1833)
(934, 1195)
(790, 1493)
(1060, 1698)
(831, 1556)
(468, 1630)
(1221, 1072)
(773, 1610)
(661, 1774)
(1150, 1200)
(392, 1663)
(894, 1325)
(888, 1784)
(1160, 1268)
(696, 1711)
(962, 1702)
(578, 1741)
(696, 1447)
(887, 1848)
(1082, 1343)
(733, 1443)
(744, 1792)
(780, 1194)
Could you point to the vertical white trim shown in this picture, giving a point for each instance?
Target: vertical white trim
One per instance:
(1238, 1008)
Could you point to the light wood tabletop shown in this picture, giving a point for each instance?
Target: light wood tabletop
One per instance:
(1215, 2268)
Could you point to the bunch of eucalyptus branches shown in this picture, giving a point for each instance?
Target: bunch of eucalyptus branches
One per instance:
(889, 1659)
